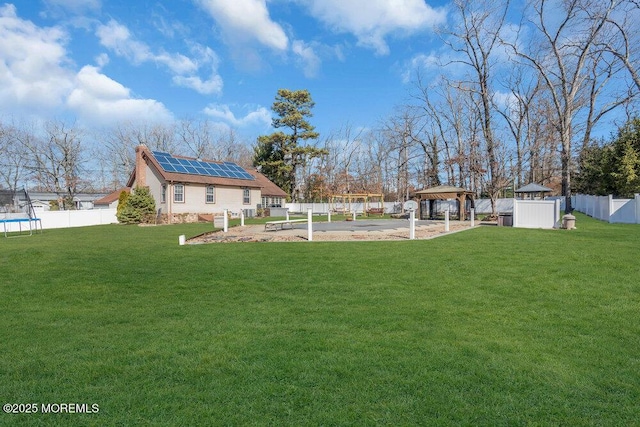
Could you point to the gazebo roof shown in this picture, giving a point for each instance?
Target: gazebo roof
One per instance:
(442, 189)
(443, 192)
(533, 188)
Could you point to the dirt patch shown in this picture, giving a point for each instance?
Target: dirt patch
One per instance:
(256, 233)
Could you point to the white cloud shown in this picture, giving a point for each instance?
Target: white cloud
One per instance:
(76, 6)
(258, 117)
(32, 64)
(246, 20)
(420, 63)
(118, 38)
(212, 85)
(307, 57)
(102, 60)
(371, 21)
(506, 101)
(36, 78)
(99, 99)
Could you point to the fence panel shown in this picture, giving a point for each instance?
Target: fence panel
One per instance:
(606, 208)
(536, 213)
(82, 218)
(624, 211)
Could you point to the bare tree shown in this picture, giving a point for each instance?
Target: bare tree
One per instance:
(197, 136)
(117, 153)
(605, 88)
(343, 147)
(623, 39)
(230, 147)
(405, 135)
(15, 161)
(157, 137)
(57, 159)
(567, 34)
(516, 112)
(475, 42)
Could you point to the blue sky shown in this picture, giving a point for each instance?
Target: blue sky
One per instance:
(102, 62)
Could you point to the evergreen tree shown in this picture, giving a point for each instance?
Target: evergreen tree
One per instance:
(627, 174)
(280, 155)
(614, 167)
(122, 201)
(140, 207)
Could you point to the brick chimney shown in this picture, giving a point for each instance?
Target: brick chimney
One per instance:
(141, 166)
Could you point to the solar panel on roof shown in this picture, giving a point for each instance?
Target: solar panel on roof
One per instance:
(167, 166)
(198, 167)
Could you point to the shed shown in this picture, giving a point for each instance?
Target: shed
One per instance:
(445, 192)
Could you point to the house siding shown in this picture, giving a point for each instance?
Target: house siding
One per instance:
(230, 198)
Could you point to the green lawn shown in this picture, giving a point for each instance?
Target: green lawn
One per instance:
(493, 326)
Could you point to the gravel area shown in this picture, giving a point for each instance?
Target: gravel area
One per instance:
(337, 233)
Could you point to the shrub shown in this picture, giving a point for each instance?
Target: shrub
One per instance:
(139, 207)
(122, 201)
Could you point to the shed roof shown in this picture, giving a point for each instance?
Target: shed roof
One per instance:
(533, 188)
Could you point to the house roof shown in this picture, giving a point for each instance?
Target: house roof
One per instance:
(533, 188)
(111, 197)
(268, 188)
(192, 178)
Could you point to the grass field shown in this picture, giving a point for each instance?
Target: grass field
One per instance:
(493, 326)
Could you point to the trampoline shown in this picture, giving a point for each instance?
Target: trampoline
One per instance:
(33, 225)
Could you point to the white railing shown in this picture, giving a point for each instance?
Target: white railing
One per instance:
(606, 208)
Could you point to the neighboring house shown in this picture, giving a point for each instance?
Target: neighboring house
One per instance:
(110, 201)
(41, 201)
(40, 206)
(185, 187)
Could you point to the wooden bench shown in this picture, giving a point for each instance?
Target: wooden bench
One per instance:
(375, 211)
(273, 225)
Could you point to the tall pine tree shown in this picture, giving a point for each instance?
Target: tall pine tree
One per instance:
(280, 155)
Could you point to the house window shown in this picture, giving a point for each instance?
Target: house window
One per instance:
(178, 193)
(163, 196)
(246, 196)
(211, 194)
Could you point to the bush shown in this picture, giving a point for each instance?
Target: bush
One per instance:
(122, 202)
(139, 207)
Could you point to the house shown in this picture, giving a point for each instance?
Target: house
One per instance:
(41, 201)
(186, 187)
(110, 201)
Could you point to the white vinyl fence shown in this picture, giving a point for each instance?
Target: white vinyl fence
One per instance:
(482, 206)
(66, 219)
(536, 213)
(606, 208)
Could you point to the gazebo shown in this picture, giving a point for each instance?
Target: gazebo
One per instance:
(345, 201)
(531, 189)
(445, 192)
